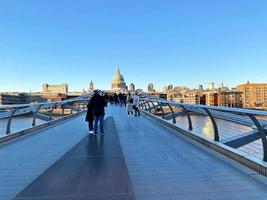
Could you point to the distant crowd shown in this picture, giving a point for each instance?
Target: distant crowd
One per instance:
(96, 108)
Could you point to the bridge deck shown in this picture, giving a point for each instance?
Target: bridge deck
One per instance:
(161, 165)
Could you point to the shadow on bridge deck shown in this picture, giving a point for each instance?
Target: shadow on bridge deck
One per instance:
(94, 169)
(161, 165)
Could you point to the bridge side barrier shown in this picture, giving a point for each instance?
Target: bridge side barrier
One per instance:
(33, 112)
(188, 109)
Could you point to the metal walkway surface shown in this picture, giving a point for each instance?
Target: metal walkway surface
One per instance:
(160, 163)
(164, 166)
(93, 169)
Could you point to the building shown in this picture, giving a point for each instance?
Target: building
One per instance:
(231, 99)
(200, 87)
(91, 87)
(131, 87)
(63, 88)
(118, 84)
(185, 95)
(11, 98)
(210, 98)
(254, 95)
(211, 86)
(150, 87)
(51, 97)
(170, 87)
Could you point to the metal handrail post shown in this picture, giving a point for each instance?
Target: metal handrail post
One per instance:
(190, 126)
(154, 107)
(51, 113)
(215, 127)
(149, 107)
(10, 119)
(261, 133)
(173, 116)
(161, 107)
(35, 114)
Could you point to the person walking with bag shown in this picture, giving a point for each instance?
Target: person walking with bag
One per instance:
(129, 104)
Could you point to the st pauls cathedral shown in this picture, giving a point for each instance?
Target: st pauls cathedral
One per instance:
(118, 84)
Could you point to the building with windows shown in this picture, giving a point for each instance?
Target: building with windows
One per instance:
(210, 98)
(254, 95)
(11, 98)
(63, 88)
(230, 99)
(150, 87)
(211, 86)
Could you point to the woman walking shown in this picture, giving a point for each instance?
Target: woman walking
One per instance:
(136, 102)
(90, 118)
(129, 104)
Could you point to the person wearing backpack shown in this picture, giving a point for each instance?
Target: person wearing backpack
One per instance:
(129, 104)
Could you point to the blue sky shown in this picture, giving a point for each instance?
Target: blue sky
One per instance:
(183, 42)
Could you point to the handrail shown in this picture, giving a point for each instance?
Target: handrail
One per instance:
(192, 108)
(12, 111)
(219, 108)
(45, 103)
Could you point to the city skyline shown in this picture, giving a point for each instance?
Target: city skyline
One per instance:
(216, 85)
(175, 42)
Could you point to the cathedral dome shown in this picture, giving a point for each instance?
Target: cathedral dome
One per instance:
(118, 77)
(118, 83)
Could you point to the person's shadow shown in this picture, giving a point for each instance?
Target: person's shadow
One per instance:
(96, 145)
(97, 159)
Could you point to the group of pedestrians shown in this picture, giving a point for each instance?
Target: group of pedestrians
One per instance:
(96, 112)
(96, 108)
(118, 99)
(132, 104)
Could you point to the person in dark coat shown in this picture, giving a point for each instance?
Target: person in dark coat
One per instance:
(90, 118)
(98, 106)
(106, 99)
(116, 99)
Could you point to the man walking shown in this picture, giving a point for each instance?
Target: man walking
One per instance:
(98, 106)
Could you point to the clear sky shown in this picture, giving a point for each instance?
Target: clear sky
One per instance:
(183, 42)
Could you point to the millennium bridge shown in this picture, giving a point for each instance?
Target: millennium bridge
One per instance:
(172, 151)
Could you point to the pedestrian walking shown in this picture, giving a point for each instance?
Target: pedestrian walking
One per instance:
(90, 118)
(116, 99)
(106, 98)
(129, 104)
(121, 99)
(98, 106)
(136, 101)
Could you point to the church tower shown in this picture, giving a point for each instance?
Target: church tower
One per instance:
(91, 87)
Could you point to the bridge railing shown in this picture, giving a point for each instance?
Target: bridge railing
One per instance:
(255, 119)
(24, 116)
